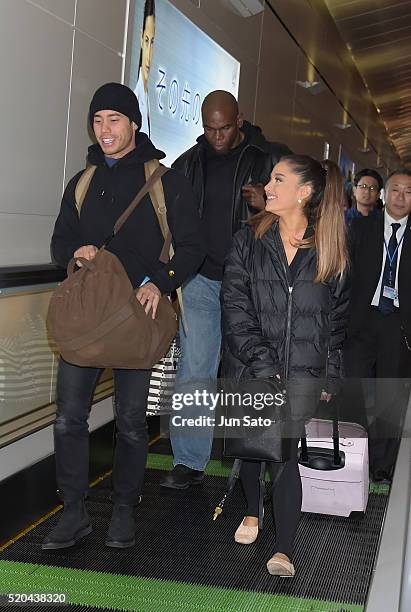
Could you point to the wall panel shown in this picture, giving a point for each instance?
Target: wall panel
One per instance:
(44, 99)
(103, 20)
(25, 238)
(93, 65)
(65, 9)
(34, 104)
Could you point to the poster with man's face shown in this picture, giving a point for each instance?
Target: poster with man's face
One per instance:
(172, 66)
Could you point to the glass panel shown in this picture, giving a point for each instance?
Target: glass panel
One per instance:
(27, 363)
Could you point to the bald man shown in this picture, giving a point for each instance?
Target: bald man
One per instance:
(227, 168)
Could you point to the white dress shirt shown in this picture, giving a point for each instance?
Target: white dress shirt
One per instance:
(387, 235)
(143, 103)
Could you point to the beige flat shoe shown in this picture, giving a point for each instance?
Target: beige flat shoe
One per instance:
(246, 534)
(277, 566)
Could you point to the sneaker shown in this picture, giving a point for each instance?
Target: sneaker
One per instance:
(182, 477)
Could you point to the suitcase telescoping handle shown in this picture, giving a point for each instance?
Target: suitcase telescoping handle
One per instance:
(334, 406)
(336, 434)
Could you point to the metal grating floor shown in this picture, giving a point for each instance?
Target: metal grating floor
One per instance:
(177, 540)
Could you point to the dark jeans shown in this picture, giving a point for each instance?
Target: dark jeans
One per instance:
(75, 388)
(286, 497)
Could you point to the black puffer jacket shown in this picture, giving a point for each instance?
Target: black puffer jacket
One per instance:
(138, 244)
(256, 161)
(272, 327)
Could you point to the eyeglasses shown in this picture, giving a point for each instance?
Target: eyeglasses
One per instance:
(371, 188)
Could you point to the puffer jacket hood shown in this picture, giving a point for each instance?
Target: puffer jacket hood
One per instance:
(253, 134)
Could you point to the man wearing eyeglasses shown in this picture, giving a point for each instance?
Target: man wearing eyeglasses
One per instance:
(378, 344)
(367, 187)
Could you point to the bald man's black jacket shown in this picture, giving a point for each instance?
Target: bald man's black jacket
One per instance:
(256, 161)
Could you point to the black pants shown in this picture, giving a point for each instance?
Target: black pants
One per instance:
(378, 352)
(286, 497)
(75, 388)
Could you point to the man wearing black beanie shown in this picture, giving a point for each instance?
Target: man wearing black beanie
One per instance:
(117, 97)
(118, 159)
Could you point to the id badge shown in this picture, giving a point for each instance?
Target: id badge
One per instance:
(390, 293)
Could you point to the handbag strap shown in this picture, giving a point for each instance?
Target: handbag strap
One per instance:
(261, 480)
(232, 481)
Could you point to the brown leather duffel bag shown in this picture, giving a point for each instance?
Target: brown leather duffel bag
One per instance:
(96, 320)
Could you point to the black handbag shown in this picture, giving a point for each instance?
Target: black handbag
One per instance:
(257, 425)
(257, 428)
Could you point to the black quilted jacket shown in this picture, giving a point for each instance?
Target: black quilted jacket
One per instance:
(271, 326)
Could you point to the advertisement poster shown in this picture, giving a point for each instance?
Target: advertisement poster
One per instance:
(171, 66)
(347, 166)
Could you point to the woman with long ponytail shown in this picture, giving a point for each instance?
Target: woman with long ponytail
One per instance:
(285, 299)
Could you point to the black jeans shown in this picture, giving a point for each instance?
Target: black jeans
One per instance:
(75, 388)
(286, 497)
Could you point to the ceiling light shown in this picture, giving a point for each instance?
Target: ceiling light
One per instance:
(308, 84)
(343, 126)
(365, 150)
(314, 87)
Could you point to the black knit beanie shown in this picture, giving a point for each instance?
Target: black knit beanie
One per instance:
(116, 97)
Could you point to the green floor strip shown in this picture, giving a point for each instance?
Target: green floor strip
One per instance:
(156, 461)
(379, 489)
(147, 595)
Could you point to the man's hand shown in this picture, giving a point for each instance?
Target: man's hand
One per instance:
(149, 296)
(325, 397)
(88, 252)
(254, 195)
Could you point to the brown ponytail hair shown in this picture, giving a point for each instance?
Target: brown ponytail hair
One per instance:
(324, 211)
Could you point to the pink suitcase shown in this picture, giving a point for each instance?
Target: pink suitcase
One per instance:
(334, 468)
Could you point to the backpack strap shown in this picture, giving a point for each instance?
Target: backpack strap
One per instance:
(158, 200)
(82, 186)
(159, 204)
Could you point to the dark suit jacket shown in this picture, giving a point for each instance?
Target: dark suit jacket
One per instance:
(366, 240)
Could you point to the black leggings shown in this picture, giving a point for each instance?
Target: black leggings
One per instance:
(286, 497)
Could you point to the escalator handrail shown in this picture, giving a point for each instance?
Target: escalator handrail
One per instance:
(24, 275)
